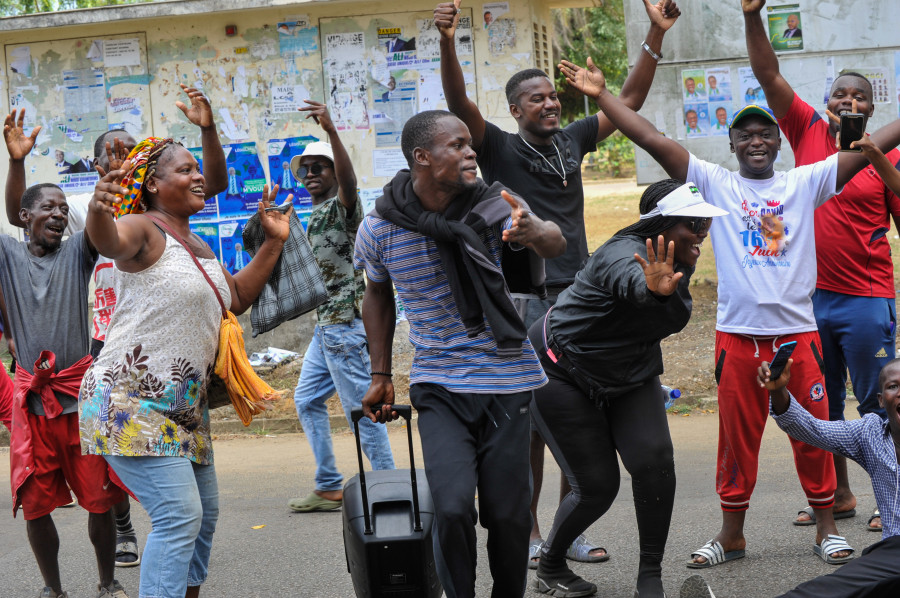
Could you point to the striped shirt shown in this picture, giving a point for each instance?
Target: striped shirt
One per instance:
(445, 354)
(867, 441)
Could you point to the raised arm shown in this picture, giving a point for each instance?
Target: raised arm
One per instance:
(885, 139)
(779, 94)
(248, 283)
(200, 113)
(637, 85)
(379, 318)
(541, 236)
(446, 18)
(343, 167)
(590, 81)
(121, 239)
(888, 172)
(19, 145)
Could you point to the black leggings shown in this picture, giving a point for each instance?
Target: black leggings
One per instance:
(584, 440)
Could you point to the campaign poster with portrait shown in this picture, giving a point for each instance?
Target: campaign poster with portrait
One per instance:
(231, 239)
(209, 232)
(720, 114)
(693, 85)
(210, 212)
(785, 27)
(246, 180)
(718, 84)
(696, 120)
(749, 90)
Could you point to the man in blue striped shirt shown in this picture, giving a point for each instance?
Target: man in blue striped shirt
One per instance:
(438, 235)
(874, 444)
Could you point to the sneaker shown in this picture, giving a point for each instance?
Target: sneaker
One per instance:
(48, 592)
(564, 584)
(695, 587)
(113, 590)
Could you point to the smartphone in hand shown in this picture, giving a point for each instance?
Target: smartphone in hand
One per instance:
(780, 359)
(853, 127)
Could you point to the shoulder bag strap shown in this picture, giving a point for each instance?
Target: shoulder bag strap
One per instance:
(178, 238)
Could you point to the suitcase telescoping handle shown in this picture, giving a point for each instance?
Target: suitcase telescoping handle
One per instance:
(404, 411)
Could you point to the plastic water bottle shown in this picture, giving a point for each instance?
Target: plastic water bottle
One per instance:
(670, 395)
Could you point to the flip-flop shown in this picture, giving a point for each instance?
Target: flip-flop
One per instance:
(580, 551)
(833, 544)
(875, 528)
(313, 502)
(127, 553)
(714, 554)
(534, 552)
(812, 516)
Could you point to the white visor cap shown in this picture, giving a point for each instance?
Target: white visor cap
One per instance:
(687, 201)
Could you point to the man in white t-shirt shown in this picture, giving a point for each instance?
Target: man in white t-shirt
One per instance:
(110, 150)
(766, 264)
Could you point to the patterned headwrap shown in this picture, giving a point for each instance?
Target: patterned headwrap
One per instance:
(144, 158)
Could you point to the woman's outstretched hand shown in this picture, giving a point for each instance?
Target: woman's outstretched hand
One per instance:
(659, 267)
(275, 224)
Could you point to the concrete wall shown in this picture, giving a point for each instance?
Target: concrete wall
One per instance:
(186, 42)
(837, 35)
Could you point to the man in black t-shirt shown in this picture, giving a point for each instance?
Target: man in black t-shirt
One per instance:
(543, 161)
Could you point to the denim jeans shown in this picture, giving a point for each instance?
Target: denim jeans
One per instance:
(337, 359)
(182, 500)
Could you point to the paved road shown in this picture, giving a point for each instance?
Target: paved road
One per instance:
(302, 555)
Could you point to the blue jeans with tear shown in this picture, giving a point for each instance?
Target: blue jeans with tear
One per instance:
(337, 360)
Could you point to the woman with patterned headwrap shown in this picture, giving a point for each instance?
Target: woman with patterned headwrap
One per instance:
(143, 403)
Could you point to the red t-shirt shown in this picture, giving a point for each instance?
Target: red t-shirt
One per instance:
(852, 249)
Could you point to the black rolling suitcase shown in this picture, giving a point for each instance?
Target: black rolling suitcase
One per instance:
(387, 528)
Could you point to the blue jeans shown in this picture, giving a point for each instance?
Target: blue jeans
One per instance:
(337, 359)
(857, 334)
(182, 500)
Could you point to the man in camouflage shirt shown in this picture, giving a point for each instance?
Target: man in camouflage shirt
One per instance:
(338, 355)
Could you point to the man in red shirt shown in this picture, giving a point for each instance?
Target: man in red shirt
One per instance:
(854, 299)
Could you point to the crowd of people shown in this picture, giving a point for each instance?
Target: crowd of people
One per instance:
(523, 337)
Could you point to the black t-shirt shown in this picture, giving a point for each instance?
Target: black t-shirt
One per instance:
(609, 324)
(504, 157)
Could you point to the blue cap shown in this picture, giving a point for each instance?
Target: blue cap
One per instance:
(751, 109)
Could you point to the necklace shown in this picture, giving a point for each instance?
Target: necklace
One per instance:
(562, 169)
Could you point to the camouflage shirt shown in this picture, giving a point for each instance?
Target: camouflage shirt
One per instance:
(332, 234)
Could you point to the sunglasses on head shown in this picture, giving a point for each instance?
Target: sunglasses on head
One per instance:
(315, 169)
(698, 225)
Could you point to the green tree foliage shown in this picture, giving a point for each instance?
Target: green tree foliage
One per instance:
(596, 32)
(599, 33)
(13, 8)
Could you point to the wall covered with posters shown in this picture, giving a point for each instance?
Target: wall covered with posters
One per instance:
(705, 75)
(375, 64)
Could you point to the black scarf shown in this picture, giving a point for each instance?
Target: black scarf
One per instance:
(478, 286)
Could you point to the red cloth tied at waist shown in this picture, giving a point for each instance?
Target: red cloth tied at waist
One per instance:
(45, 381)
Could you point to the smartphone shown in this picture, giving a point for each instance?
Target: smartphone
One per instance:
(780, 359)
(853, 127)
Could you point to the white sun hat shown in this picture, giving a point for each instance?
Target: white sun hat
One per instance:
(686, 200)
(316, 148)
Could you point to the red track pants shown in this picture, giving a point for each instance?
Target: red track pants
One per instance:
(744, 409)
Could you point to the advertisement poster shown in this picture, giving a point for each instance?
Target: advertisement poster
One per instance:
(718, 87)
(280, 153)
(246, 179)
(209, 232)
(232, 242)
(878, 77)
(785, 27)
(210, 212)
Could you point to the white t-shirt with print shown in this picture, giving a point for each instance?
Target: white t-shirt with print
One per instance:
(104, 271)
(765, 283)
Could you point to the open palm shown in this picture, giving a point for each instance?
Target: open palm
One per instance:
(659, 267)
